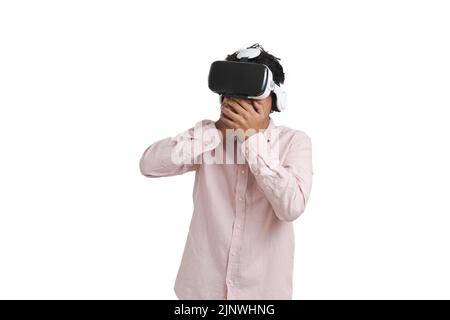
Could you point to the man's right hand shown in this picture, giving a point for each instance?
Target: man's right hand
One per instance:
(221, 127)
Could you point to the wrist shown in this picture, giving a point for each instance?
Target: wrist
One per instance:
(220, 126)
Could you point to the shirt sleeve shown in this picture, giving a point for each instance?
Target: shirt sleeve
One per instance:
(181, 153)
(286, 185)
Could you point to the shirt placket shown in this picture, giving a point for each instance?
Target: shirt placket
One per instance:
(232, 277)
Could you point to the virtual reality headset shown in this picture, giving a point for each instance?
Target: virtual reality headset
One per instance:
(245, 79)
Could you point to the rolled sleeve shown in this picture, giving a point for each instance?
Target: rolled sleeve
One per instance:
(286, 185)
(181, 153)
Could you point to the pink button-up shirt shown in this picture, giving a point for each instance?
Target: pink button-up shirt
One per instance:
(246, 195)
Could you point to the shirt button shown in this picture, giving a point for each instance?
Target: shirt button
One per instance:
(238, 225)
(242, 171)
(230, 282)
(233, 254)
(240, 199)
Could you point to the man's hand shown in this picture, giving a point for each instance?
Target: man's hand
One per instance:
(242, 115)
(220, 126)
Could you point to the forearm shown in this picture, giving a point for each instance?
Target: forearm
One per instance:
(179, 154)
(286, 186)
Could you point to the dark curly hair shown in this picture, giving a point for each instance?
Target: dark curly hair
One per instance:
(270, 61)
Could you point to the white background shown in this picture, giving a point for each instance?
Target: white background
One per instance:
(86, 86)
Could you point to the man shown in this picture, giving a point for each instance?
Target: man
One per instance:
(240, 243)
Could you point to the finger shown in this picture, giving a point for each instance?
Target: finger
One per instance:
(232, 104)
(224, 116)
(232, 115)
(247, 106)
(237, 107)
(259, 108)
(229, 124)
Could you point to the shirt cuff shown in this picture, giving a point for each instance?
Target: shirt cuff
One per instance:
(201, 138)
(210, 137)
(259, 155)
